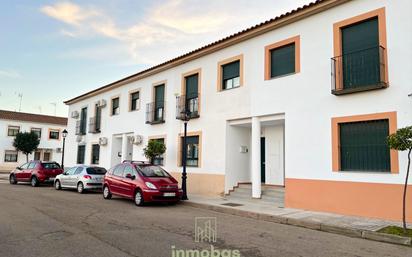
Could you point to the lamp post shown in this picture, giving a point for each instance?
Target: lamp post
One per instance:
(64, 134)
(186, 118)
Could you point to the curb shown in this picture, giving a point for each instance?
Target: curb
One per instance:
(346, 231)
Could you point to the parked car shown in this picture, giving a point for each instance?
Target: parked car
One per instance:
(35, 172)
(142, 182)
(81, 177)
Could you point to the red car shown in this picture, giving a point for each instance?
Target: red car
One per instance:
(142, 182)
(35, 172)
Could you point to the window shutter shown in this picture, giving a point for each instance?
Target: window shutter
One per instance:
(282, 60)
(231, 70)
(192, 86)
(159, 96)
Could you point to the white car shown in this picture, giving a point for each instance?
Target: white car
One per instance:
(81, 177)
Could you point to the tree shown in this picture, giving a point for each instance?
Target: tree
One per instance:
(154, 149)
(26, 142)
(401, 140)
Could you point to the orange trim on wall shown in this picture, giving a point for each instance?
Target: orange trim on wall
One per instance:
(268, 48)
(373, 200)
(337, 36)
(393, 126)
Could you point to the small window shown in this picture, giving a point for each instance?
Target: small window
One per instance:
(95, 153)
(128, 169)
(118, 171)
(24, 166)
(96, 171)
(282, 60)
(83, 121)
(54, 134)
(50, 165)
(71, 171)
(37, 156)
(36, 131)
(78, 171)
(159, 102)
(159, 159)
(231, 75)
(115, 106)
(13, 130)
(10, 156)
(32, 165)
(134, 101)
(81, 150)
(192, 151)
(46, 156)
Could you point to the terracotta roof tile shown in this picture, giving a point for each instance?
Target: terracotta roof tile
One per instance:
(31, 117)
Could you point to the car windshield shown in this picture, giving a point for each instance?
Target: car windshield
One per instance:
(50, 165)
(96, 171)
(153, 171)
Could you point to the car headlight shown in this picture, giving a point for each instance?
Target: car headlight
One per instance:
(150, 185)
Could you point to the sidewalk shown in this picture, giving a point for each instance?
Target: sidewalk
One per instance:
(333, 223)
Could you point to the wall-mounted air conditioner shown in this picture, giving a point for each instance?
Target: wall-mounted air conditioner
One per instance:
(137, 139)
(75, 114)
(103, 141)
(58, 150)
(102, 103)
(79, 138)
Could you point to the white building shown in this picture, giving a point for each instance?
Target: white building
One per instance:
(266, 109)
(48, 128)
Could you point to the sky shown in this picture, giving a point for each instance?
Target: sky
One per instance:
(51, 51)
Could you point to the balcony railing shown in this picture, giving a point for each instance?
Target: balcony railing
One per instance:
(359, 71)
(155, 113)
(80, 128)
(187, 105)
(94, 125)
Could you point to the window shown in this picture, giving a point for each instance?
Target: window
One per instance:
(78, 171)
(159, 102)
(96, 171)
(153, 171)
(13, 130)
(24, 166)
(95, 123)
(46, 156)
(32, 165)
(36, 131)
(128, 169)
(54, 134)
(134, 101)
(359, 63)
(359, 143)
(282, 58)
(37, 156)
(118, 171)
(83, 120)
(192, 150)
(115, 106)
(81, 150)
(230, 73)
(51, 165)
(71, 171)
(10, 156)
(95, 153)
(159, 159)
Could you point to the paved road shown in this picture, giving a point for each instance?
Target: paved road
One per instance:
(45, 222)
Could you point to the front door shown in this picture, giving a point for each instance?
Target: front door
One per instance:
(262, 160)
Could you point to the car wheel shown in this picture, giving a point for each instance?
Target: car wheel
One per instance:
(34, 181)
(12, 179)
(106, 193)
(138, 198)
(57, 185)
(80, 188)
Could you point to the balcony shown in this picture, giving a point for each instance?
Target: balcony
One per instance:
(155, 113)
(80, 128)
(189, 105)
(94, 125)
(358, 71)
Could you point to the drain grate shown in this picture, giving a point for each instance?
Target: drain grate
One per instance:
(232, 204)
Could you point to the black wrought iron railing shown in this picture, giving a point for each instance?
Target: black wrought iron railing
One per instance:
(80, 128)
(186, 105)
(359, 71)
(94, 125)
(155, 112)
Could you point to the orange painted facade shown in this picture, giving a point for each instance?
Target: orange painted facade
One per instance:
(373, 200)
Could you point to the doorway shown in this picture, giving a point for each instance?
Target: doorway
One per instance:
(262, 160)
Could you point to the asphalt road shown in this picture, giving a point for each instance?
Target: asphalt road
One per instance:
(45, 222)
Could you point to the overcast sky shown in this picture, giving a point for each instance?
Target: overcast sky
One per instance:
(51, 51)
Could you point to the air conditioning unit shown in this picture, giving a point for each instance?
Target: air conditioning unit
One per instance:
(137, 140)
(102, 103)
(103, 141)
(58, 150)
(75, 114)
(79, 138)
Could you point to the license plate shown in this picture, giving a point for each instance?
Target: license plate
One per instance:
(169, 194)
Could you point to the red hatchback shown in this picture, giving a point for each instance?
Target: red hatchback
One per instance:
(35, 172)
(142, 182)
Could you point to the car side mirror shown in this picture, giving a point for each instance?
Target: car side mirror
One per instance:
(130, 176)
(18, 168)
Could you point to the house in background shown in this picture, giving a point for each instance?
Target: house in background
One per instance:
(303, 102)
(48, 128)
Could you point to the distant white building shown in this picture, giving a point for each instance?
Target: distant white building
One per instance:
(304, 101)
(49, 129)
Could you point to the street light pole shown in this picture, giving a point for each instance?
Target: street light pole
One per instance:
(64, 144)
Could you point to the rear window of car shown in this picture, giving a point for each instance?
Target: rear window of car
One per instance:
(50, 165)
(96, 171)
(153, 171)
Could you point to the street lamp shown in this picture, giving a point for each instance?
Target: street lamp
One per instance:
(64, 134)
(185, 118)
